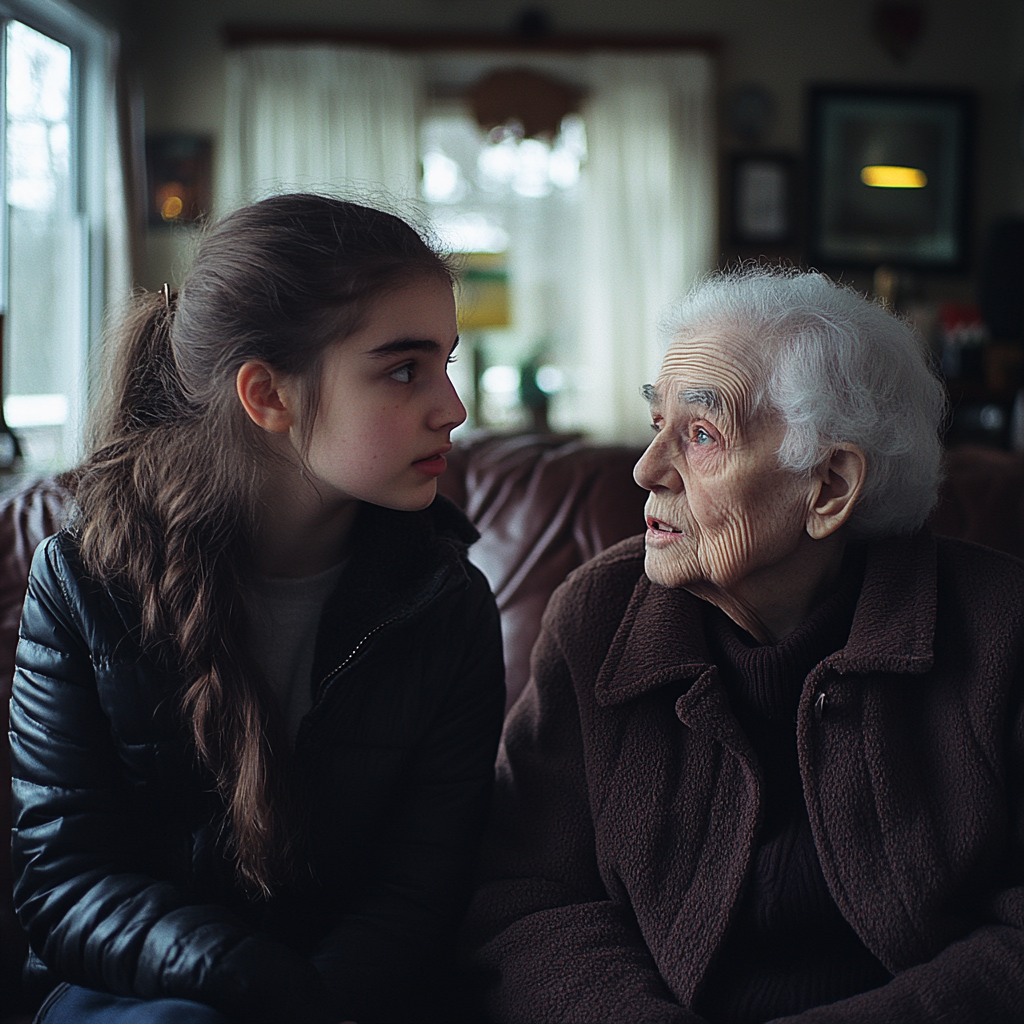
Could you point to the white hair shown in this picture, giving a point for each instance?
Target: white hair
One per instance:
(838, 368)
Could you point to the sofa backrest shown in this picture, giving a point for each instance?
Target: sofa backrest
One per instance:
(544, 505)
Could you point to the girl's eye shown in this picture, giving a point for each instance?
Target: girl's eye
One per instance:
(453, 358)
(403, 374)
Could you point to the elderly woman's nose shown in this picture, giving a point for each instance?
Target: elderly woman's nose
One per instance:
(655, 470)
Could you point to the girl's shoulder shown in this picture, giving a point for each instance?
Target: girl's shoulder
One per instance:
(61, 585)
(57, 569)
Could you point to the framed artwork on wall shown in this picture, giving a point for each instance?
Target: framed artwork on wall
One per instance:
(889, 176)
(179, 169)
(762, 208)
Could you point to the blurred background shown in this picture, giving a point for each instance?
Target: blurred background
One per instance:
(587, 161)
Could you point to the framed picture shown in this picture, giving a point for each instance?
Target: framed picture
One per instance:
(179, 172)
(889, 176)
(762, 210)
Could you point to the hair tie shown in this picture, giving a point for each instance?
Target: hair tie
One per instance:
(165, 294)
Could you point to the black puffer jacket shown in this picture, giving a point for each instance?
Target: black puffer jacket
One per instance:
(121, 878)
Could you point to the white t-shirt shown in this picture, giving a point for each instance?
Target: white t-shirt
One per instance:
(284, 638)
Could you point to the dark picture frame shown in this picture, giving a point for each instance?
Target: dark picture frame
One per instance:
(179, 169)
(890, 177)
(762, 209)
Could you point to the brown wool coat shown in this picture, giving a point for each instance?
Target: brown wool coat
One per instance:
(628, 798)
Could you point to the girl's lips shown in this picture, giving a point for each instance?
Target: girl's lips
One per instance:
(433, 466)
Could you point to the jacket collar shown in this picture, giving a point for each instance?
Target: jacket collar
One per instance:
(401, 562)
(661, 636)
(660, 639)
(894, 623)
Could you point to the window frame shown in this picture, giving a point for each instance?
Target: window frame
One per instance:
(91, 48)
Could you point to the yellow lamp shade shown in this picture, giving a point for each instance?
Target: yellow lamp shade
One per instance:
(892, 176)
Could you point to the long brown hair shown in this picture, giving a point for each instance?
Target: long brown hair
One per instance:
(167, 501)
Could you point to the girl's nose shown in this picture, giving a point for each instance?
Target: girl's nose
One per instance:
(450, 411)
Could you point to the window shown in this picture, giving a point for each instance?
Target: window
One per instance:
(571, 282)
(51, 222)
(512, 207)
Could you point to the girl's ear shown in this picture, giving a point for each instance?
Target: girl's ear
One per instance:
(266, 395)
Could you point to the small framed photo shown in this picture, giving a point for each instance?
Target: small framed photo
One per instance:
(889, 176)
(763, 208)
(179, 171)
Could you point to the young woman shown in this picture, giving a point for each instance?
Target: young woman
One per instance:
(259, 685)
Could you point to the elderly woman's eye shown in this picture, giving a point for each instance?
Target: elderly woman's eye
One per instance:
(701, 436)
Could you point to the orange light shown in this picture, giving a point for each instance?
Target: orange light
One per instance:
(171, 208)
(889, 176)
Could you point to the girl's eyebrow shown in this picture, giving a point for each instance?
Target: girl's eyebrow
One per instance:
(399, 345)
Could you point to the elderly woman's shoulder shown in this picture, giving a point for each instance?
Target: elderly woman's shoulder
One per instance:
(602, 587)
(980, 568)
(621, 564)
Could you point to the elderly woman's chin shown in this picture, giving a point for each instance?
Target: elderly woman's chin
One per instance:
(672, 550)
(673, 563)
(723, 562)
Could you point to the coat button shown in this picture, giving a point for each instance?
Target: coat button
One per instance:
(819, 706)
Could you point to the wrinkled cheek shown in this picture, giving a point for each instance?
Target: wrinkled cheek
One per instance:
(726, 551)
(745, 543)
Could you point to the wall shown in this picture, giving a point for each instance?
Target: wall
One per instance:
(112, 13)
(782, 45)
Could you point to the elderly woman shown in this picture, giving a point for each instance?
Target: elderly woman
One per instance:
(771, 760)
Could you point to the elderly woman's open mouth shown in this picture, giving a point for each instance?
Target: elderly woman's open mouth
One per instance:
(659, 526)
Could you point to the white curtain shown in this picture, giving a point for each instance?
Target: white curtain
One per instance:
(319, 118)
(650, 224)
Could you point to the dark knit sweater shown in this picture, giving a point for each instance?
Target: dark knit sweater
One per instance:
(788, 948)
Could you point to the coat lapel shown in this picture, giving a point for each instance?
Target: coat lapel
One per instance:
(678, 768)
(660, 640)
(864, 777)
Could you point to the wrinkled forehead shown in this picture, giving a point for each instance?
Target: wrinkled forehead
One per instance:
(715, 368)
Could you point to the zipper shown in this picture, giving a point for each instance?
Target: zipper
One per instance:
(355, 650)
(334, 673)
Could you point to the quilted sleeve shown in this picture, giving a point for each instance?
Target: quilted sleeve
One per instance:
(92, 915)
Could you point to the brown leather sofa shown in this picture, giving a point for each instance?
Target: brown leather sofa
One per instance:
(543, 505)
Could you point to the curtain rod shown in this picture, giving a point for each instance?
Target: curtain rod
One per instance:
(235, 35)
